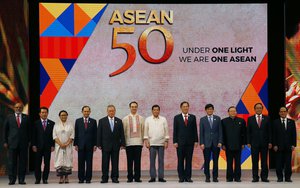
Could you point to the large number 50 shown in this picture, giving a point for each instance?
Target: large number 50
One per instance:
(131, 54)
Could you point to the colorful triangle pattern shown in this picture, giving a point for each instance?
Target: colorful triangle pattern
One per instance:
(256, 91)
(64, 30)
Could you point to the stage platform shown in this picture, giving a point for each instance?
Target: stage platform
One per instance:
(170, 176)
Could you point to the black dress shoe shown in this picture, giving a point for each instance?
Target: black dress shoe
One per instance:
(288, 180)
(138, 180)
(255, 180)
(280, 180)
(88, 181)
(229, 180)
(151, 180)
(129, 180)
(207, 180)
(162, 180)
(11, 182)
(22, 182)
(104, 181)
(181, 180)
(238, 180)
(265, 180)
(81, 181)
(215, 180)
(37, 182)
(189, 180)
(45, 181)
(115, 181)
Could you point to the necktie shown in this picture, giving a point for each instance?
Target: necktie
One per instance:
(259, 121)
(283, 123)
(85, 123)
(210, 121)
(44, 125)
(111, 124)
(185, 120)
(18, 120)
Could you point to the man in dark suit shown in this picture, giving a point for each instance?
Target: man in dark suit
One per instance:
(110, 139)
(211, 139)
(85, 143)
(185, 138)
(234, 140)
(284, 141)
(259, 133)
(16, 140)
(42, 144)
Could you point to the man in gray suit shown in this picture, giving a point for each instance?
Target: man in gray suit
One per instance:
(211, 138)
(16, 140)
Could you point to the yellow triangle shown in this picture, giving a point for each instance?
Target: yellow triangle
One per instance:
(247, 164)
(56, 9)
(91, 9)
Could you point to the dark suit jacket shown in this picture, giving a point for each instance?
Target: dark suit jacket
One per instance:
(282, 138)
(41, 138)
(185, 135)
(259, 137)
(210, 136)
(234, 133)
(15, 136)
(85, 137)
(107, 139)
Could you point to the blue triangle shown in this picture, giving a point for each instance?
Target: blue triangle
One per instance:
(67, 18)
(263, 94)
(68, 63)
(44, 78)
(98, 16)
(241, 109)
(87, 30)
(56, 29)
(246, 152)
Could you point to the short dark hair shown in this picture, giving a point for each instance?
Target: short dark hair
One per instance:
(259, 103)
(284, 107)
(209, 106)
(85, 107)
(231, 107)
(156, 106)
(62, 111)
(43, 108)
(132, 103)
(184, 102)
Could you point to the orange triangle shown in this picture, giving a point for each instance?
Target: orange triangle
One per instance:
(46, 18)
(81, 19)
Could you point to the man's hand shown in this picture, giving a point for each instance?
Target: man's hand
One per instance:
(275, 148)
(34, 149)
(99, 147)
(293, 148)
(249, 145)
(123, 147)
(196, 144)
(224, 147)
(202, 146)
(243, 146)
(5, 145)
(219, 145)
(95, 148)
(270, 146)
(175, 145)
(147, 144)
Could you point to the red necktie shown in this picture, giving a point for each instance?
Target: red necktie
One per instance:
(18, 120)
(185, 120)
(85, 123)
(258, 121)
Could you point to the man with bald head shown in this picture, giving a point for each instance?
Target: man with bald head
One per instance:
(16, 140)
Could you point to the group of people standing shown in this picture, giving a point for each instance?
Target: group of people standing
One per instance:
(133, 132)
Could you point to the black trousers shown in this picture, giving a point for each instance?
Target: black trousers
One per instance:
(283, 161)
(134, 154)
(215, 151)
(39, 155)
(17, 160)
(236, 155)
(85, 164)
(263, 151)
(184, 166)
(113, 156)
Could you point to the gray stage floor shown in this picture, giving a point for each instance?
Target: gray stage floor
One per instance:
(170, 176)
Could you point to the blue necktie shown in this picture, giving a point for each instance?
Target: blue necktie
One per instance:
(210, 121)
